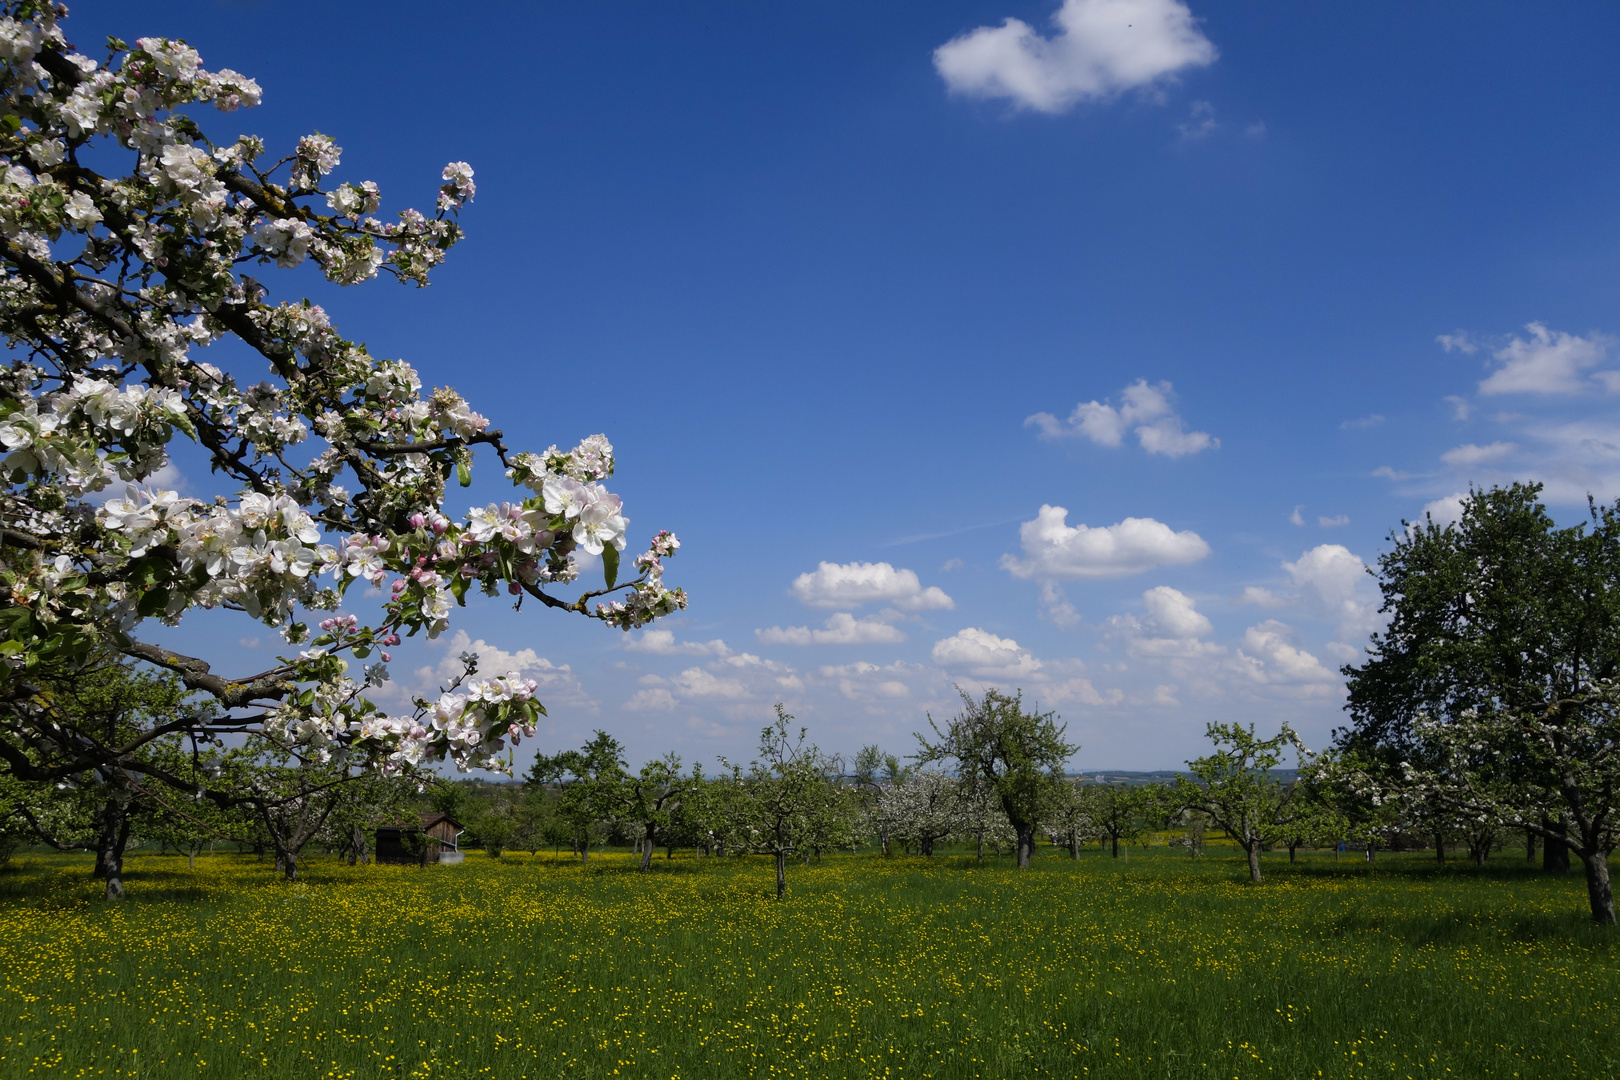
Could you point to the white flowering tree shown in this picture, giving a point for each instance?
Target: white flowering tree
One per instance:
(924, 808)
(332, 464)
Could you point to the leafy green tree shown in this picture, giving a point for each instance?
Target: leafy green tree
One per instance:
(1069, 814)
(786, 801)
(1494, 688)
(1118, 813)
(1236, 789)
(590, 778)
(1017, 755)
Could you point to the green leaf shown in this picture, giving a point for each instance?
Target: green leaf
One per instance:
(610, 565)
(153, 602)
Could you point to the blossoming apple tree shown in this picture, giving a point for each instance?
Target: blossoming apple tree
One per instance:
(332, 465)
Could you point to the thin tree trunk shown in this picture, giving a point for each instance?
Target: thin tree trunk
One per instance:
(1529, 846)
(1074, 845)
(1254, 861)
(1292, 847)
(646, 852)
(1439, 846)
(981, 845)
(781, 874)
(1115, 838)
(1598, 891)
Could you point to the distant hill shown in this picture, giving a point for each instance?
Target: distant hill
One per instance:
(1134, 778)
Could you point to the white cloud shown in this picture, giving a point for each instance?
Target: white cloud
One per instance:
(1055, 607)
(1295, 518)
(1172, 626)
(1259, 597)
(699, 683)
(654, 700)
(1549, 362)
(1364, 422)
(1200, 122)
(857, 583)
(1333, 522)
(951, 564)
(1388, 473)
(1159, 430)
(1269, 655)
(663, 643)
(1053, 549)
(1445, 511)
(1468, 454)
(1101, 48)
(984, 654)
(1335, 584)
(1460, 408)
(864, 681)
(1165, 695)
(842, 628)
(1460, 342)
(1079, 690)
(558, 685)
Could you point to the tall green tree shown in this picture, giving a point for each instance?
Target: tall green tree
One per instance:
(787, 800)
(1018, 755)
(1494, 688)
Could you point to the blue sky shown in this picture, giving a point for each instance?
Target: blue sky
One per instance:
(1237, 286)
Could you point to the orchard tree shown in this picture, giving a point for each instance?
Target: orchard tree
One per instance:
(1494, 689)
(1236, 789)
(331, 463)
(1069, 814)
(1018, 756)
(590, 778)
(923, 809)
(787, 800)
(1118, 813)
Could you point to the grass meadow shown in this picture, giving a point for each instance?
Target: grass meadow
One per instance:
(1159, 966)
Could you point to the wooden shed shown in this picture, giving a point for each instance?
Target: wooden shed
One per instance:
(433, 839)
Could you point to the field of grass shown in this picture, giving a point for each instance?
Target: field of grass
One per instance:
(1157, 967)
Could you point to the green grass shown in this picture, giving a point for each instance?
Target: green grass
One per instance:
(1159, 966)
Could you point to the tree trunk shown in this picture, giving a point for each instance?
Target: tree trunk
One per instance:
(781, 874)
(1439, 846)
(925, 846)
(646, 852)
(1074, 845)
(1254, 861)
(289, 865)
(1115, 838)
(1554, 853)
(1026, 847)
(1529, 846)
(1292, 847)
(981, 845)
(110, 842)
(1598, 890)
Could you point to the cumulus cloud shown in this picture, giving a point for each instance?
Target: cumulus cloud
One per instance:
(697, 682)
(656, 699)
(1269, 655)
(1468, 454)
(1079, 690)
(1100, 48)
(1144, 409)
(663, 643)
(1171, 627)
(1446, 510)
(1055, 607)
(841, 628)
(558, 685)
(1334, 582)
(1459, 342)
(853, 584)
(1548, 362)
(1260, 597)
(984, 654)
(1053, 549)
(862, 681)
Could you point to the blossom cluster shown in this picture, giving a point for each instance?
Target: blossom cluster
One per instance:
(334, 467)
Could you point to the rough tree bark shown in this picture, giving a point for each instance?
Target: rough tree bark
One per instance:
(111, 839)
